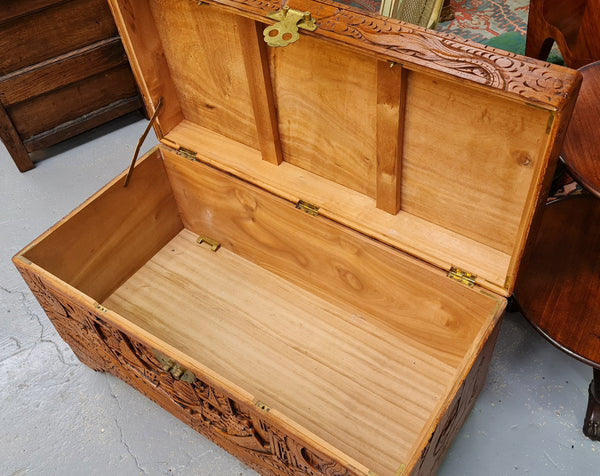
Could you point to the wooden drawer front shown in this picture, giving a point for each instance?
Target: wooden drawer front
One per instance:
(12, 9)
(45, 112)
(54, 31)
(242, 427)
(62, 71)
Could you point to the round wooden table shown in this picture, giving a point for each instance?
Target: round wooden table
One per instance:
(558, 289)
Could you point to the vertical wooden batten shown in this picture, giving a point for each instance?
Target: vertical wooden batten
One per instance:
(255, 55)
(391, 103)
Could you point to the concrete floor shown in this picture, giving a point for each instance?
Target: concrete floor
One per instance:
(59, 417)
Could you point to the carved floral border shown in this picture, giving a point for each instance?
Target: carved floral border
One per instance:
(420, 48)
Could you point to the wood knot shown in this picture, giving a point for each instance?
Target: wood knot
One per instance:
(523, 159)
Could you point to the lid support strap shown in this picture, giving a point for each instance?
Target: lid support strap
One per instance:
(141, 141)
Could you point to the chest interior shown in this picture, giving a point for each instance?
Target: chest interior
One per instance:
(346, 321)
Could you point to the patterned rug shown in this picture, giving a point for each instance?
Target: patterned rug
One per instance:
(480, 20)
(476, 20)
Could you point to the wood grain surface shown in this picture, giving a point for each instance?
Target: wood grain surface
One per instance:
(480, 128)
(12, 9)
(559, 287)
(408, 232)
(264, 438)
(330, 260)
(62, 71)
(327, 104)
(581, 151)
(45, 112)
(470, 160)
(201, 45)
(112, 234)
(256, 61)
(310, 360)
(290, 349)
(31, 40)
(391, 107)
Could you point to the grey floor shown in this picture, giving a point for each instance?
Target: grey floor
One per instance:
(59, 417)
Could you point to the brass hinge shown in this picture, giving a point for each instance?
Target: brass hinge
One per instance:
(307, 207)
(462, 276)
(187, 153)
(263, 407)
(285, 31)
(176, 370)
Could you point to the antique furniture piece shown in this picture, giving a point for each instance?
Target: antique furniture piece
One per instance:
(559, 286)
(63, 71)
(581, 149)
(573, 24)
(311, 267)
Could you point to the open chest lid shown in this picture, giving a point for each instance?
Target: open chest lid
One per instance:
(437, 146)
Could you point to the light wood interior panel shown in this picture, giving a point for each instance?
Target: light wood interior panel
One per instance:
(361, 387)
(147, 58)
(109, 237)
(416, 236)
(329, 260)
(202, 48)
(470, 159)
(326, 101)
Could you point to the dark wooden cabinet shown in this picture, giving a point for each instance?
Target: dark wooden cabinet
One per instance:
(63, 71)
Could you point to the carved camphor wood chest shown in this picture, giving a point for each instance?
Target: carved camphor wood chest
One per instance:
(310, 269)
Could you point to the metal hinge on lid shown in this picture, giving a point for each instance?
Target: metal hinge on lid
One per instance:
(187, 153)
(462, 276)
(307, 207)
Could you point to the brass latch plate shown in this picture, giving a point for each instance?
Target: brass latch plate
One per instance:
(176, 370)
(285, 31)
(462, 276)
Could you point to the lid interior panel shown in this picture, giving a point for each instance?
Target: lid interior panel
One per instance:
(470, 159)
(201, 47)
(326, 105)
(454, 162)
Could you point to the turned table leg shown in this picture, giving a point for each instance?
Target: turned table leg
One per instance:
(591, 425)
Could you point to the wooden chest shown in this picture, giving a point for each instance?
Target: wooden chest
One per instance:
(63, 71)
(311, 268)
